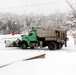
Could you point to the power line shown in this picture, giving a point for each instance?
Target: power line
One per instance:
(70, 5)
(32, 5)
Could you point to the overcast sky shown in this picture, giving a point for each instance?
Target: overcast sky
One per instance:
(33, 6)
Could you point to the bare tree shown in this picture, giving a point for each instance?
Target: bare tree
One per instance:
(72, 14)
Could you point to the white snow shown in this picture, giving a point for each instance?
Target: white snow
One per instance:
(57, 62)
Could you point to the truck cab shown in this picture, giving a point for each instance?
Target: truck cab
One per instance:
(29, 40)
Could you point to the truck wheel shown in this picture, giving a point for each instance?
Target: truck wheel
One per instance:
(60, 45)
(24, 46)
(52, 46)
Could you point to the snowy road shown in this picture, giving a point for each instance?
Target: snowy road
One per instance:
(57, 62)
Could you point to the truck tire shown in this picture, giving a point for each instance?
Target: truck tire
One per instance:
(24, 45)
(52, 46)
(60, 45)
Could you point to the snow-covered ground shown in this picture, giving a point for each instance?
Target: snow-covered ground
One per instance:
(57, 62)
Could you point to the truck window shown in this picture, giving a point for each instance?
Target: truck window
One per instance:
(30, 34)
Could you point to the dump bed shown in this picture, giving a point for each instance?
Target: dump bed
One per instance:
(45, 32)
(52, 34)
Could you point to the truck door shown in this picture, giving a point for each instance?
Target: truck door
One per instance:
(32, 36)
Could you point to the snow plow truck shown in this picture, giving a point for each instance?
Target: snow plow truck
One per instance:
(41, 37)
(53, 38)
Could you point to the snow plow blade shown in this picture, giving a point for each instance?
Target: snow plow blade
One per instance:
(11, 43)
